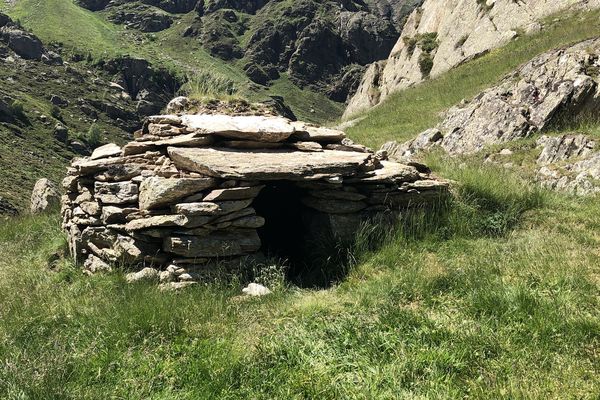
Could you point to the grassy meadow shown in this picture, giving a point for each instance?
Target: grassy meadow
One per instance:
(493, 295)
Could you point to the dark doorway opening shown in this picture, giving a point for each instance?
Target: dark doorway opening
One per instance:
(284, 231)
(298, 237)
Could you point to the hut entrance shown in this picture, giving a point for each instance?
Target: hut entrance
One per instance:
(298, 236)
(284, 233)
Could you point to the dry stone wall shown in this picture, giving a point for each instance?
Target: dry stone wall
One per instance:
(180, 197)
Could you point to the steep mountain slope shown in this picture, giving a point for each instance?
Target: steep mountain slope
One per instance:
(124, 60)
(443, 34)
(52, 110)
(405, 114)
(316, 43)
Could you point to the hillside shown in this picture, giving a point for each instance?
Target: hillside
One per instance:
(121, 61)
(443, 34)
(408, 112)
(491, 295)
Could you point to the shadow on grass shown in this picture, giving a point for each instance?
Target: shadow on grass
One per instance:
(485, 201)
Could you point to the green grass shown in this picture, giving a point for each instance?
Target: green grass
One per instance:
(406, 113)
(493, 296)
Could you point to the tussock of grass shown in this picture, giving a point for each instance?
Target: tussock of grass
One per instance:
(206, 85)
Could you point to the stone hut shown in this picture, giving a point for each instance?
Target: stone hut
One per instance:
(194, 190)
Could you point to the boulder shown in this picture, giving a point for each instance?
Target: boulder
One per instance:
(61, 132)
(58, 101)
(45, 197)
(177, 105)
(23, 43)
(256, 290)
(95, 264)
(146, 274)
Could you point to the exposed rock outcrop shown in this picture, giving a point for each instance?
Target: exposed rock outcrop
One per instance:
(143, 18)
(25, 44)
(569, 163)
(463, 30)
(183, 195)
(556, 87)
(151, 88)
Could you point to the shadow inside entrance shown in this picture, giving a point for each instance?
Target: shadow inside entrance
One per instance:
(299, 237)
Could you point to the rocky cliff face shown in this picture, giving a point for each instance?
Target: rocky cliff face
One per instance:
(444, 33)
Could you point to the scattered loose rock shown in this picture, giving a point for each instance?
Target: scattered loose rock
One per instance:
(147, 274)
(255, 289)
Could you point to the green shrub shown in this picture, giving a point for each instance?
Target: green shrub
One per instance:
(411, 44)
(93, 136)
(425, 64)
(56, 112)
(17, 108)
(428, 42)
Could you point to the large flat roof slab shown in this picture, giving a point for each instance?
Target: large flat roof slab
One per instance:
(268, 164)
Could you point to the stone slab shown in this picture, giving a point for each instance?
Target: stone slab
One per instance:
(189, 140)
(268, 164)
(237, 193)
(257, 128)
(156, 192)
(217, 244)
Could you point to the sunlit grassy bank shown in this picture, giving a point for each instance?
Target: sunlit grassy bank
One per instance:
(494, 296)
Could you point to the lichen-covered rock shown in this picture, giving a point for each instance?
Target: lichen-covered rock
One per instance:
(556, 86)
(569, 163)
(45, 197)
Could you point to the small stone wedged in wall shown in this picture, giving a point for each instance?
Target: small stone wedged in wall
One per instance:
(179, 198)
